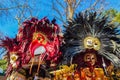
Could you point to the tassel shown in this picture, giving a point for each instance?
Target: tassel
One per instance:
(31, 65)
(39, 65)
(41, 59)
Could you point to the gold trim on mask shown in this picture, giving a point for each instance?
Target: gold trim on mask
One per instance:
(92, 42)
(40, 37)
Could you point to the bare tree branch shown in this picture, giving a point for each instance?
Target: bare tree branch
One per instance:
(11, 7)
(77, 4)
(22, 10)
(102, 4)
(59, 19)
(18, 19)
(70, 7)
(59, 13)
(93, 5)
(60, 4)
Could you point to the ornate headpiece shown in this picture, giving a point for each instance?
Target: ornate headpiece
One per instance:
(92, 31)
(12, 47)
(35, 37)
(40, 37)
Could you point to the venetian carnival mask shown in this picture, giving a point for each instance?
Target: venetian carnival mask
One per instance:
(38, 44)
(38, 47)
(90, 58)
(92, 42)
(13, 59)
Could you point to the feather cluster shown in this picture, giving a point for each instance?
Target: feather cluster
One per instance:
(95, 25)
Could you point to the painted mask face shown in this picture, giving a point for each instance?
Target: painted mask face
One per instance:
(41, 38)
(13, 59)
(92, 42)
(90, 58)
(38, 45)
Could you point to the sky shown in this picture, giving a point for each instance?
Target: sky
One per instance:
(41, 8)
(9, 26)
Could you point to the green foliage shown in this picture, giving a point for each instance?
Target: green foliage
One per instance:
(114, 15)
(3, 64)
(117, 18)
(111, 12)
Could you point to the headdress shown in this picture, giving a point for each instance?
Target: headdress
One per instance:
(13, 55)
(41, 37)
(35, 37)
(89, 30)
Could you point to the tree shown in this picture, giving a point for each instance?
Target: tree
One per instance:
(15, 10)
(114, 15)
(66, 9)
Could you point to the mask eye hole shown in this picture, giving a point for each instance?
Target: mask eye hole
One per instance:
(88, 58)
(39, 38)
(93, 58)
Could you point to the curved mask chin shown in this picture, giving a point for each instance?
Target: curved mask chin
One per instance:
(39, 50)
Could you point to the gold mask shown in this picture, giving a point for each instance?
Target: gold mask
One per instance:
(92, 42)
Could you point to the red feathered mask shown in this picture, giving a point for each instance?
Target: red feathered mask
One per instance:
(41, 37)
